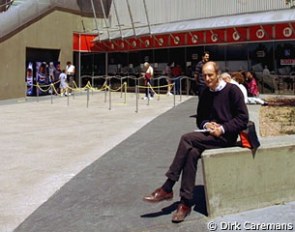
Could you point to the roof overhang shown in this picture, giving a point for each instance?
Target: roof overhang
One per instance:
(229, 21)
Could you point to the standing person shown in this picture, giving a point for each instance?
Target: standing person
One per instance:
(51, 70)
(251, 84)
(41, 78)
(176, 73)
(148, 75)
(168, 73)
(200, 82)
(223, 113)
(265, 71)
(70, 71)
(57, 73)
(29, 81)
(63, 85)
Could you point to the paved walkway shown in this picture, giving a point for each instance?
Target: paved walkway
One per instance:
(69, 168)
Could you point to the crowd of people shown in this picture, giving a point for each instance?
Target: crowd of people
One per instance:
(245, 80)
(249, 88)
(47, 74)
(63, 79)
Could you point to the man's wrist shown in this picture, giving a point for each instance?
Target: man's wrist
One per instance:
(222, 129)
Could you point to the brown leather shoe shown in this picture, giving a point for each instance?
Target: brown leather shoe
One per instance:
(181, 213)
(158, 195)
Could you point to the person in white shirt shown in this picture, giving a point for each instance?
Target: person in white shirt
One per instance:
(168, 73)
(148, 75)
(239, 79)
(265, 71)
(230, 79)
(70, 71)
(63, 85)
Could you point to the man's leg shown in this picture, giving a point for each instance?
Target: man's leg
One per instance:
(189, 150)
(71, 84)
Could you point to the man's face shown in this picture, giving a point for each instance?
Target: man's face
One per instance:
(206, 58)
(210, 76)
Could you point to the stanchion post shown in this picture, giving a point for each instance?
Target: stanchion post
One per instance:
(68, 99)
(180, 88)
(110, 99)
(159, 80)
(51, 94)
(26, 90)
(148, 94)
(187, 85)
(121, 86)
(87, 97)
(174, 95)
(136, 97)
(105, 94)
(37, 89)
(125, 90)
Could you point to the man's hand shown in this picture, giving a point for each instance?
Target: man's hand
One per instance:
(196, 77)
(214, 129)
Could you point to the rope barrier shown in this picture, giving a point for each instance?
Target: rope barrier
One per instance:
(106, 88)
(108, 79)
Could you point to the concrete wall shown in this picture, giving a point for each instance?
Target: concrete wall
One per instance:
(236, 181)
(52, 31)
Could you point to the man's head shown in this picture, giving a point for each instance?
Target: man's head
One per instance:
(211, 74)
(146, 65)
(225, 76)
(205, 56)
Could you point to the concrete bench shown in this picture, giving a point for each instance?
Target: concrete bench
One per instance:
(236, 181)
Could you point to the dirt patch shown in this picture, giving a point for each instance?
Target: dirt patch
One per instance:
(278, 118)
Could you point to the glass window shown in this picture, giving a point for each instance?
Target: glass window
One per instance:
(285, 57)
(260, 54)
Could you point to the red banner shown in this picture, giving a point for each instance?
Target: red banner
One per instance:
(161, 41)
(283, 31)
(215, 36)
(195, 38)
(83, 42)
(264, 32)
(177, 39)
(236, 35)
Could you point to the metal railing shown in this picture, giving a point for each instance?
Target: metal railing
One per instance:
(5, 4)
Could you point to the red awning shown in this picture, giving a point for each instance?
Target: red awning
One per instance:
(222, 22)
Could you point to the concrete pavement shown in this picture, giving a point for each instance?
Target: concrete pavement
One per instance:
(45, 144)
(73, 168)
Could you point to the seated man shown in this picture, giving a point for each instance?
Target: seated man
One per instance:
(223, 113)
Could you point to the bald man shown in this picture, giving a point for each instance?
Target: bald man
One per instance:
(223, 114)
